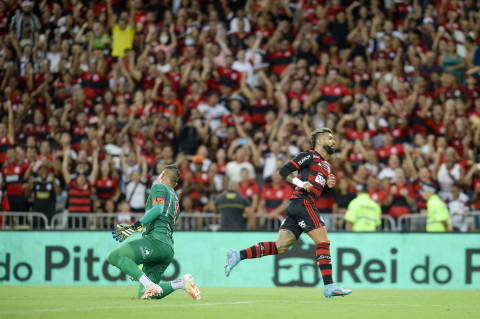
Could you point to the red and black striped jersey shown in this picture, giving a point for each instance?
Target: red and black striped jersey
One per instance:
(106, 187)
(13, 176)
(259, 109)
(78, 133)
(231, 74)
(243, 118)
(420, 202)
(312, 168)
(93, 84)
(281, 59)
(79, 198)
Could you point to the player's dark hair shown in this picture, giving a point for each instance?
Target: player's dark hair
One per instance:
(316, 133)
(174, 173)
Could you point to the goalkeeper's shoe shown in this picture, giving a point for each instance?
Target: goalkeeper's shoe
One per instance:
(334, 290)
(233, 258)
(133, 279)
(151, 291)
(190, 287)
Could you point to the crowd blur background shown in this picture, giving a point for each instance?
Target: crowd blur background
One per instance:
(97, 96)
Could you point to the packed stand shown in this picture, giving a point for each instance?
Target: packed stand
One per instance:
(97, 96)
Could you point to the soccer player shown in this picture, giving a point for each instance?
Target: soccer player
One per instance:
(301, 214)
(155, 249)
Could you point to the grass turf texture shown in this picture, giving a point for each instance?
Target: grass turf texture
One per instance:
(115, 302)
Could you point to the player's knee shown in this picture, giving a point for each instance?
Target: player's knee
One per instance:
(113, 258)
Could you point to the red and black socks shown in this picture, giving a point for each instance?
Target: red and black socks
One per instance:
(324, 262)
(259, 250)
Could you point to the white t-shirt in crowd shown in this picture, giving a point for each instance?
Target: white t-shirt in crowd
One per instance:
(138, 199)
(234, 169)
(270, 163)
(234, 23)
(460, 207)
(387, 172)
(213, 113)
(245, 67)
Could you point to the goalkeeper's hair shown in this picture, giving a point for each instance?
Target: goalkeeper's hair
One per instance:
(173, 173)
(318, 132)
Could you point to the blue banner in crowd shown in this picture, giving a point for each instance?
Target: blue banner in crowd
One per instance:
(378, 260)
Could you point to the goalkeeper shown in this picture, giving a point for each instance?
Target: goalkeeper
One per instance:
(155, 249)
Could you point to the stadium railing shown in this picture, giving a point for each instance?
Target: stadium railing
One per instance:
(23, 221)
(86, 221)
(418, 222)
(108, 221)
(198, 221)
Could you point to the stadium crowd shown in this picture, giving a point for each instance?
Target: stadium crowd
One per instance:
(97, 96)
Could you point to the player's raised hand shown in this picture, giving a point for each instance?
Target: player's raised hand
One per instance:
(307, 186)
(331, 182)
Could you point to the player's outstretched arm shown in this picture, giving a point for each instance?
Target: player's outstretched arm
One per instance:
(153, 213)
(125, 231)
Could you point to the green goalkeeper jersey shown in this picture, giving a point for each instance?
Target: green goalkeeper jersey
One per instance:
(162, 228)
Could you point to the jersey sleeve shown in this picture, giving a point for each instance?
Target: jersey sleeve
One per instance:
(159, 194)
(304, 159)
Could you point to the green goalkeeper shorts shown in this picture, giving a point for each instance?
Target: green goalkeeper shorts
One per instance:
(154, 255)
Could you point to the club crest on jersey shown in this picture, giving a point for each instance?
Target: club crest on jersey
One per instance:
(320, 180)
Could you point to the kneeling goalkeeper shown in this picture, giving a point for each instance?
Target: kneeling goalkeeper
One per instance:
(155, 249)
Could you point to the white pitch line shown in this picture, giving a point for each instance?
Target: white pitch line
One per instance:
(125, 307)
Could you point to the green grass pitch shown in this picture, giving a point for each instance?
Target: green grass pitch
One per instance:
(232, 303)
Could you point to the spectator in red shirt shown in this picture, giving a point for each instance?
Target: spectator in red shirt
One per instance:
(274, 197)
(377, 193)
(249, 188)
(360, 130)
(13, 181)
(7, 133)
(389, 148)
(238, 117)
(424, 177)
(107, 186)
(335, 93)
(400, 196)
(199, 184)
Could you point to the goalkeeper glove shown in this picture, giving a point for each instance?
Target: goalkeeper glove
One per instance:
(125, 231)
